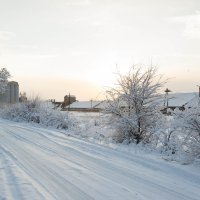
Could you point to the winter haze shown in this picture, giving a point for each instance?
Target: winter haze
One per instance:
(55, 47)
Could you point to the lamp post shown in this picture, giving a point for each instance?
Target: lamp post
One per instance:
(199, 95)
(69, 102)
(91, 101)
(199, 90)
(166, 96)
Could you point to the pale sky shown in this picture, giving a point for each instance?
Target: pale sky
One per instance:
(53, 47)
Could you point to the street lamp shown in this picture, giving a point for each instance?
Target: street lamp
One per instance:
(199, 95)
(199, 90)
(166, 96)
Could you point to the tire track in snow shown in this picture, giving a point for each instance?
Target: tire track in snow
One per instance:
(31, 186)
(105, 167)
(12, 189)
(76, 156)
(48, 179)
(128, 178)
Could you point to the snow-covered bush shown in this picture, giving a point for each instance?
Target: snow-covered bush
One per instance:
(36, 111)
(187, 124)
(134, 105)
(179, 137)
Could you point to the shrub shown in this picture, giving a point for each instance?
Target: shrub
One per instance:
(39, 112)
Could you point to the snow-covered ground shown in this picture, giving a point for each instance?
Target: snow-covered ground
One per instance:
(37, 163)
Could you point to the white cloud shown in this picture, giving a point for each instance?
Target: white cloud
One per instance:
(5, 35)
(192, 24)
(77, 3)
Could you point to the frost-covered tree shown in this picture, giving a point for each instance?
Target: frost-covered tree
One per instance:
(4, 76)
(135, 104)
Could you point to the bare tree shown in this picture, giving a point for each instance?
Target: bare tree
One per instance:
(4, 76)
(134, 104)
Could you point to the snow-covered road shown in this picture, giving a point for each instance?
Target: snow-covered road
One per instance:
(44, 164)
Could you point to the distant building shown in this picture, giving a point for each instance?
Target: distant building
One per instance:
(68, 99)
(86, 106)
(23, 97)
(12, 93)
(179, 101)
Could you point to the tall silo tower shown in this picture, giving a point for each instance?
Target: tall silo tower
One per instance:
(12, 88)
(14, 92)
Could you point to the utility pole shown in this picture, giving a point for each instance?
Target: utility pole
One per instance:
(199, 90)
(69, 101)
(91, 103)
(199, 96)
(166, 97)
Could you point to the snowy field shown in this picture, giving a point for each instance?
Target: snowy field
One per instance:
(92, 126)
(37, 163)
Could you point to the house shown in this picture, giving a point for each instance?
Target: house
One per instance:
(68, 99)
(85, 106)
(180, 101)
(12, 93)
(194, 102)
(23, 97)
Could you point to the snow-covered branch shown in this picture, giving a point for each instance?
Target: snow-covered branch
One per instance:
(4, 76)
